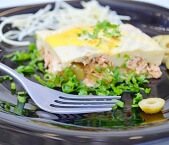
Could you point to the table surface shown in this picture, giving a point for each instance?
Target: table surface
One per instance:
(14, 3)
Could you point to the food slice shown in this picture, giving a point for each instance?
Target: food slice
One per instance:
(92, 48)
(152, 105)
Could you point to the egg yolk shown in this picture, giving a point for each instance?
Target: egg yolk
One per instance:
(70, 38)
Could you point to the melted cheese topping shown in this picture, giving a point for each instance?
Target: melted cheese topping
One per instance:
(70, 38)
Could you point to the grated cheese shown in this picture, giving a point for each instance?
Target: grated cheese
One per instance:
(63, 15)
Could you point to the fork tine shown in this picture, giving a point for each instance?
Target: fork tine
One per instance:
(62, 101)
(83, 98)
(82, 105)
(76, 111)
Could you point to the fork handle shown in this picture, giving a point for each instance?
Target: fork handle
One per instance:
(16, 76)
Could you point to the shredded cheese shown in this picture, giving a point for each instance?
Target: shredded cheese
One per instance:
(62, 15)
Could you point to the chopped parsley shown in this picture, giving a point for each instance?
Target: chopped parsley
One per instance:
(98, 69)
(127, 58)
(118, 104)
(105, 27)
(137, 99)
(21, 96)
(13, 86)
(114, 83)
(147, 90)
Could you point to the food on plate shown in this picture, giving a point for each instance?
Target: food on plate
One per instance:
(163, 41)
(125, 47)
(152, 105)
(86, 51)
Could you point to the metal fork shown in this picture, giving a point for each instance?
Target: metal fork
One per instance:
(57, 102)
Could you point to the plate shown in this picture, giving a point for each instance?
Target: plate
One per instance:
(128, 125)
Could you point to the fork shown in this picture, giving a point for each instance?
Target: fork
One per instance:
(58, 102)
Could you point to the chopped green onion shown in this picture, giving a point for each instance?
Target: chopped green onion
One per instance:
(6, 77)
(40, 67)
(22, 99)
(51, 83)
(22, 93)
(48, 77)
(13, 86)
(25, 69)
(19, 56)
(19, 108)
(147, 90)
(98, 69)
(127, 57)
(114, 82)
(32, 47)
(118, 104)
(108, 29)
(137, 99)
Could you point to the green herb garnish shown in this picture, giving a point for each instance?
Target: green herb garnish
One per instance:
(13, 86)
(118, 104)
(5, 77)
(98, 69)
(22, 99)
(32, 56)
(137, 99)
(127, 58)
(109, 30)
(114, 82)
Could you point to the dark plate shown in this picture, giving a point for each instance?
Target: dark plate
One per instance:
(123, 126)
